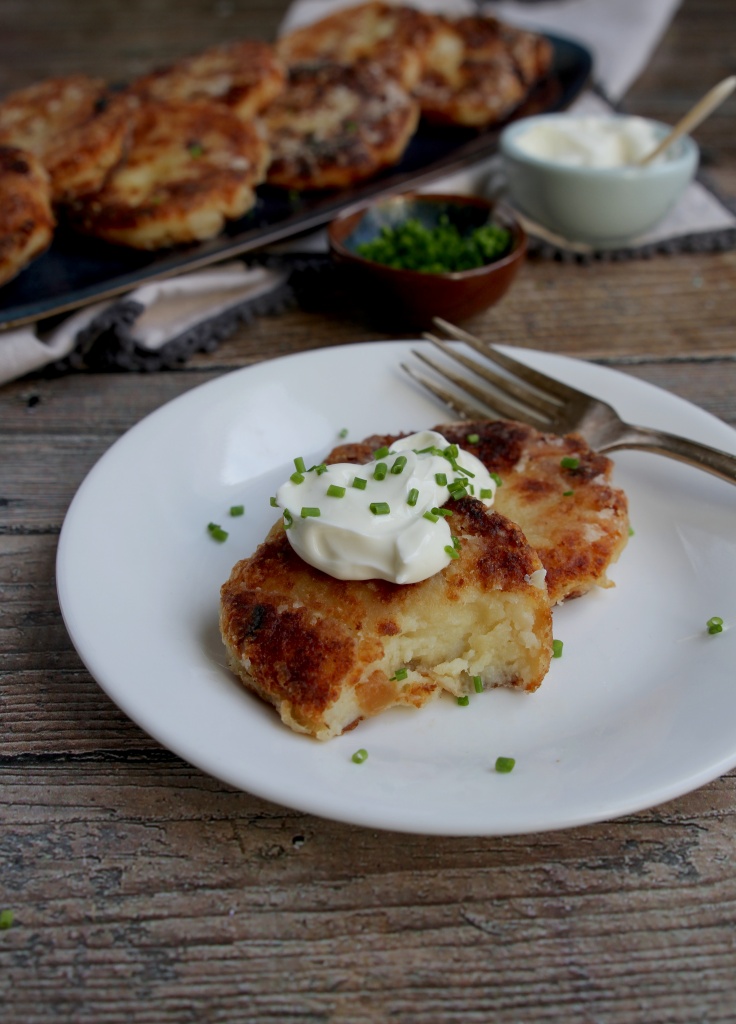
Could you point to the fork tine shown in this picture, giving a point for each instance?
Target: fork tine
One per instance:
(496, 403)
(548, 385)
(521, 392)
(463, 409)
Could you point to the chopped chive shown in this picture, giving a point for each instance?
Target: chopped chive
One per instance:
(442, 512)
(237, 510)
(379, 508)
(557, 646)
(297, 478)
(398, 466)
(399, 674)
(6, 919)
(381, 453)
(567, 494)
(288, 519)
(570, 462)
(412, 497)
(631, 531)
(360, 756)
(319, 470)
(216, 532)
(441, 479)
(478, 684)
(310, 512)
(431, 450)
(505, 764)
(335, 491)
(486, 492)
(451, 452)
(451, 551)
(456, 543)
(343, 432)
(359, 483)
(463, 701)
(715, 624)
(465, 472)
(273, 502)
(379, 473)
(299, 465)
(473, 438)
(431, 516)
(496, 479)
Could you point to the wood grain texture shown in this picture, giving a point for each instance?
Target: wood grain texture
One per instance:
(145, 891)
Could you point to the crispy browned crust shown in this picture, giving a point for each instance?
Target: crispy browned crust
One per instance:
(577, 536)
(478, 70)
(397, 37)
(74, 125)
(26, 218)
(245, 75)
(334, 126)
(325, 652)
(189, 167)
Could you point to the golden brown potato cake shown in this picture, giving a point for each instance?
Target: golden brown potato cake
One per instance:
(245, 75)
(335, 125)
(573, 517)
(477, 70)
(189, 167)
(325, 652)
(394, 36)
(73, 125)
(26, 219)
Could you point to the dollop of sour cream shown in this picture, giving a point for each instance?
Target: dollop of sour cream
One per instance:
(376, 520)
(590, 141)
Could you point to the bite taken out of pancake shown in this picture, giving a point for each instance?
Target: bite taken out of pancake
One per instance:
(327, 653)
(575, 518)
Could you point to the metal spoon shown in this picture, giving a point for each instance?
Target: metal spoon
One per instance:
(693, 118)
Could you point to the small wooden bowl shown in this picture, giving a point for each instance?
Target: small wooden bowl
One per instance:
(410, 297)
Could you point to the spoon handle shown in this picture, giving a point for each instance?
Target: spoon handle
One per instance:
(693, 118)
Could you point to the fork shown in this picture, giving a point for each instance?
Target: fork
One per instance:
(522, 393)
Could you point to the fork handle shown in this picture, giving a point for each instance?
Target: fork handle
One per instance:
(701, 455)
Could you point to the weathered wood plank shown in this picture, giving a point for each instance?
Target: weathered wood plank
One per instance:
(208, 896)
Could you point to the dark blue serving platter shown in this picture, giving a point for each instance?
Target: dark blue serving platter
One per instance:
(78, 270)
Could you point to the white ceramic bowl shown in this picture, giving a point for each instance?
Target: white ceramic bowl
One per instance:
(604, 207)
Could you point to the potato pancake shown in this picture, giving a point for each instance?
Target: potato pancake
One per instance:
(26, 218)
(571, 515)
(334, 126)
(477, 70)
(189, 167)
(394, 36)
(74, 125)
(327, 653)
(245, 75)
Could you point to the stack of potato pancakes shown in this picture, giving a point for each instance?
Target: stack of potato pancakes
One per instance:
(173, 156)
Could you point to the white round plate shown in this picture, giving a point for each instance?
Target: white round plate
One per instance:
(640, 708)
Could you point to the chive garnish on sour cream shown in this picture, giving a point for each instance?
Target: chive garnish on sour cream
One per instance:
(390, 522)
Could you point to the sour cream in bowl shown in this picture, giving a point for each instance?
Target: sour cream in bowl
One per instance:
(581, 176)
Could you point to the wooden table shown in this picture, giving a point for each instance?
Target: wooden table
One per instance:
(145, 891)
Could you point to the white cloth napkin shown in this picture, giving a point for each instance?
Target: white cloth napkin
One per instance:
(157, 314)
